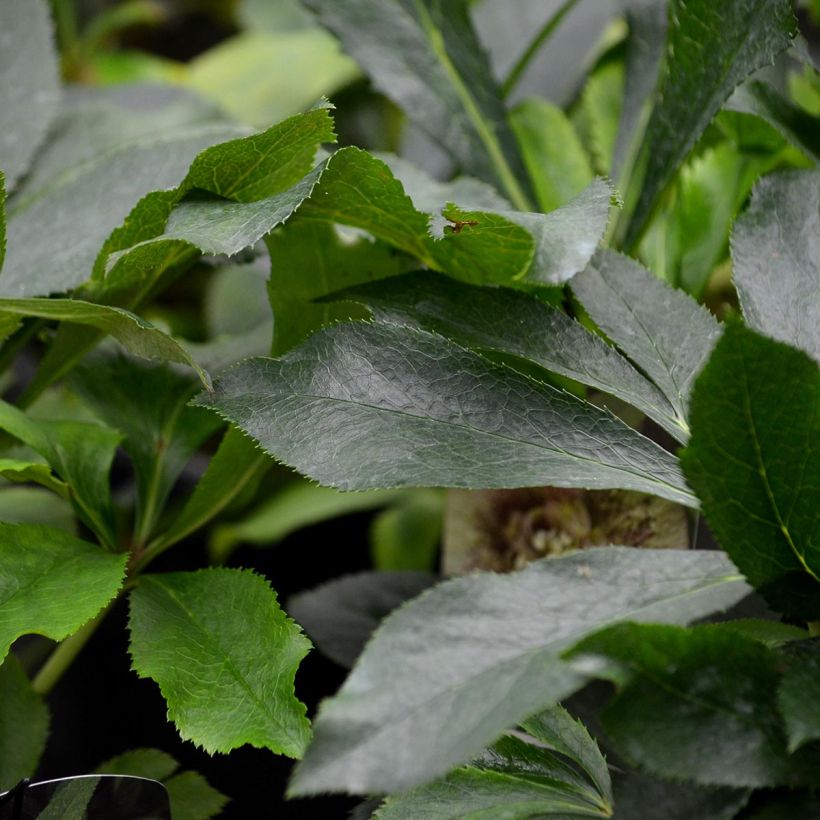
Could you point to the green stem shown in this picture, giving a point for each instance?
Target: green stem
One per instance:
(814, 629)
(63, 656)
(534, 47)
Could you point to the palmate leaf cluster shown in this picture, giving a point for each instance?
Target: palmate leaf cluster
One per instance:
(532, 321)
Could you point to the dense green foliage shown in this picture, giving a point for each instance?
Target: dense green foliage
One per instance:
(613, 292)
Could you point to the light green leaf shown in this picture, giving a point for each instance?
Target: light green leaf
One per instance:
(729, 734)
(24, 724)
(482, 653)
(406, 536)
(34, 505)
(292, 508)
(425, 56)
(798, 126)
(236, 685)
(512, 322)
(82, 207)
(598, 115)
(665, 332)
(517, 780)
(754, 461)
(364, 406)
(81, 454)
(776, 254)
(260, 77)
(235, 466)
(342, 614)
(711, 48)
(135, 334)
(29, 82)
(251, 168)
(799, 693)
(555, 159)
(25, 472)
(51, 583)
(147, 404)
(151, 763)
(689, 236)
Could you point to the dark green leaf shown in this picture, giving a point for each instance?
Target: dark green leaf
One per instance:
(665, 332)
(711, 48)
(234, 467)
(754, 461)
(647, 20)
(51, 583)
(713, 688)
(147, 404)
(24, 722)
(799, 693)
(236, 685)
(424, 55)
(640, 797)
(310, 260)
(191, 796)
(341, 615)
(29, 83)
(364, 406)
(481, 653)
(776, 253)
(789, 807)
(517, 780)
(519, 324)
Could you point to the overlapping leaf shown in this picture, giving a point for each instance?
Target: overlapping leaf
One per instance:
(424, 55)
(51, 583)
(482, 653)
(665, 332)
(714, 689)
(363, 406)
(81, 454)
(754, 461)
(565, 777)
(711, 48)
(513, 322)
